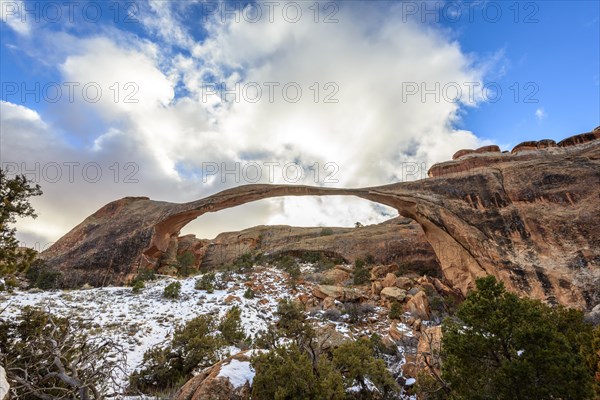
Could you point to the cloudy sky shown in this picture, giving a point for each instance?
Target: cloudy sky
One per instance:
(178, 100)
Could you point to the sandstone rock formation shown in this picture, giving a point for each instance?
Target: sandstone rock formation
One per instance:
(229, 379)
(398, 240)
(529, 218)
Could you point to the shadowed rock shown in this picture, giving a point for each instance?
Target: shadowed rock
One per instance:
(530, 219)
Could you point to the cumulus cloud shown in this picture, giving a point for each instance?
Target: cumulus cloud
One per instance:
(399, 88)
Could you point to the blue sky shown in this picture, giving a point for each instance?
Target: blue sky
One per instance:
(364, 55)
(550, 59)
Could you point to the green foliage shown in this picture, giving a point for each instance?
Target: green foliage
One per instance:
(206, 282)
(504, 347)
(288, 373)
(361, 273)
(249, 293)
(231, 326)
(14, 194)
(357, 311)
(186, 262)
(292, 322)
(311, 257)
(194, 345)
(172, 290)
(326, 232)
(358, 364)
(300, 370)
(138, 286)
(41, 277)
(395, 311)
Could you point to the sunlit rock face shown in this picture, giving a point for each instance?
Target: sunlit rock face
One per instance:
(528, 217)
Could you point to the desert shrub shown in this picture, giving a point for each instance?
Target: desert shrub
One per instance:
(380, 348)
(15, 193)
(395, 310)
(369, 259)
(172, 290)
(41, 277)
(186, 262)
(357, 362)
(357, 311)
(311, 257)
(51, 357)
(194, 345)
(249, 293)
(288, 373)
(503, 347)
(333, 314)
(326, 232)
(231, 326)
(244, 263)
(206, 282)
(361, 273)
(138, 286)
(292, 322)
(285, 262)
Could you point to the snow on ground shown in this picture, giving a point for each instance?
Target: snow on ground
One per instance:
(238, 372)
(141, 321)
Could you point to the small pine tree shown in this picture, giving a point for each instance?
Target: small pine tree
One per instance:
(231, 326)
(206, 282)
(138, 286)
(395, 311)
(172, 291)
(361, 274)
(249, 293)
(504, 347)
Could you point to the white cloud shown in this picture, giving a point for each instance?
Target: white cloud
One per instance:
(373, 133)
(540, 114)
(10, 14)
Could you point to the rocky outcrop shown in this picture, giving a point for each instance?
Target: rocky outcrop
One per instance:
(398, 240)
(229, 379)
(529, 218)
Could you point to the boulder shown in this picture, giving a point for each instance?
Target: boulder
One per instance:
(404, 283)
(227, 379)
(488, 149)
(339, 293)
(429, 348)
(376, 288)
(409, 368)
(380, 271)
(325, 291)
(345, 268)
(328, 337)
(389, 280)
(337, 276)
(461, 153)
(232, 299)
(4, 386)
(418, 305)
(393, 293)
(525, 146)
(328, 303)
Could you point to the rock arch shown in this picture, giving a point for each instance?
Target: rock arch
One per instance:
(527, 218)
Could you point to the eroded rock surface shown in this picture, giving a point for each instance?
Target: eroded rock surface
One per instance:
(529, 218)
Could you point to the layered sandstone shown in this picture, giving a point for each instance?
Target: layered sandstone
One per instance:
(529, 218)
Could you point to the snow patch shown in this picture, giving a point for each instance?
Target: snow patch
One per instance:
(237, 372)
